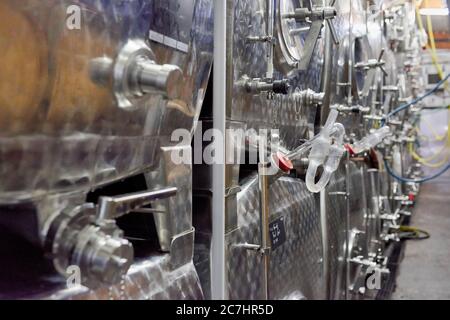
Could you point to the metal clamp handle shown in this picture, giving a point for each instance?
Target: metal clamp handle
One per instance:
(115, 207)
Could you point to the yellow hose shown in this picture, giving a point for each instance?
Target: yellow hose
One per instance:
(436, 136)
(426, 162)
(429, 161)
(432, 43)
(432, 48)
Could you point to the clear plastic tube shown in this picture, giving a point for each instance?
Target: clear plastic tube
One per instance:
(326, 154)
(372, 140)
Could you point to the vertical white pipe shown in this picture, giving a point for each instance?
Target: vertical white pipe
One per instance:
(218, 291)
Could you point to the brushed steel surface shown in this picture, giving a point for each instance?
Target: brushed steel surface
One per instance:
(249, 59)
(152, 279)
(73, 136)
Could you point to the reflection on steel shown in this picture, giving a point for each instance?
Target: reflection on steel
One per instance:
(92, 122)
(90, 177)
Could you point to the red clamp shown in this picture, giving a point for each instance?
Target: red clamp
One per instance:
(349, 149)
(283, 162)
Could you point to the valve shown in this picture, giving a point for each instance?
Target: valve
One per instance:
(309, 98)
(352, 108)
(89, 238)
(74, 238)
(404, 200)
(392, 89)
(390, 237)
(256, 86)
(373, 64)
(369, 263)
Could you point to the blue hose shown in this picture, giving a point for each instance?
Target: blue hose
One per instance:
(422, 180)
(409, 104)
(401, 108)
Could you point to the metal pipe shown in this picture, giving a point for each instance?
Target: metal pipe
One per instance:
(347, 227)
(364, 192)
(350, 59)
(269, 27)
(297, 31)
(263, 178)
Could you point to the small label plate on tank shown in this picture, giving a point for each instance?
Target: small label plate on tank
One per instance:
(171, 23)
(277, 232)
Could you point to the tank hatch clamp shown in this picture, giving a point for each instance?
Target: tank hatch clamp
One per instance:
(316, 17)
(370, 67)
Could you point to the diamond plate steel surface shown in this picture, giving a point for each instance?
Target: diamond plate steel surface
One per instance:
(357, 228)
(152, 279)
(336, 211)
(296, 269)
(249, 59)
(357, 196)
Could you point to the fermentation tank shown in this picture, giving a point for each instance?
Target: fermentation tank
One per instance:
(90, 94)
(340, 65)
(108, 114)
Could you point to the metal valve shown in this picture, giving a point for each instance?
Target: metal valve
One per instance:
(390, 217)
(369, 263)
(309, 98)
(99, 250)
(404, 200)
(135, 75)
(258, 86)
(373, 64)
(316, 16)
(391, 88)
(352, 108)
(390, 237)
(89, 238)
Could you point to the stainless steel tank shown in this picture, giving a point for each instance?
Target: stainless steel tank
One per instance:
(90, 94)
(97, 97)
